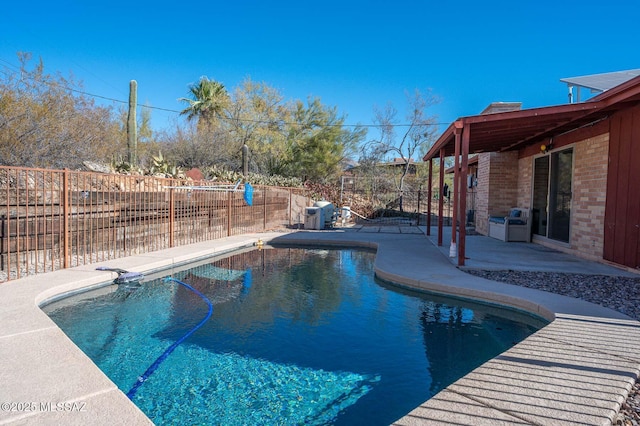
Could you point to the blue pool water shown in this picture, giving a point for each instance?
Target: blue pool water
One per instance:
(297, 336)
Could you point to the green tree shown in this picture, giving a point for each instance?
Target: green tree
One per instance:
(257, 118)
(319, 142)
(145, 132)
(289, 139)
(208, 101)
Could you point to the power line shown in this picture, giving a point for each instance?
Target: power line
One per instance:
(71, 89)
(247, 120)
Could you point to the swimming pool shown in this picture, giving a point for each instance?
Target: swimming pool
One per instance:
(297, 336)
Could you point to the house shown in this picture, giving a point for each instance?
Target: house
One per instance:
(357, 177)
(575, 167)
(401, 163)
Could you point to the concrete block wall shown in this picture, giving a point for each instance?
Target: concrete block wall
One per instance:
(298, 206)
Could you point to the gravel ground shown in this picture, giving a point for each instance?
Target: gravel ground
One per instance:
(621, 294)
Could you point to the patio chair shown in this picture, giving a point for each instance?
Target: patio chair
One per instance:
(516, 226)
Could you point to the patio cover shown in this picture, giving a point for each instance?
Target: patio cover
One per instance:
(513, 130)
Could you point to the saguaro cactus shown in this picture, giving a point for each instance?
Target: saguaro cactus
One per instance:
(132, 132)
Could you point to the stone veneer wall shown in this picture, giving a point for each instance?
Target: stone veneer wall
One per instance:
(498, 178)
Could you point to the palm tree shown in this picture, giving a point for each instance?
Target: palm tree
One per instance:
(208, 101)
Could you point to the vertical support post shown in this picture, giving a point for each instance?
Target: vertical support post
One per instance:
(455, 216)
(5, 244)
(463, 195)
(7, 221)
(290, 206)
(172, 215)
(229, 200)
(18, 233)
(429, 196)
(441, 198)
(419, 192)
(264, 209)
(66, 211)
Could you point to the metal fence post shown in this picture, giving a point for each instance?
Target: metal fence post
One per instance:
(229, 199)
(264, 207)
(418, 220)
(58, 219)
(290, 207)
(172, 214)
(65, 214)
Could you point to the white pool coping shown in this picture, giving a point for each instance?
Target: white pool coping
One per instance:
(576, 370)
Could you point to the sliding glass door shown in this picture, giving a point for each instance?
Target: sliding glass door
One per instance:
(552, 194)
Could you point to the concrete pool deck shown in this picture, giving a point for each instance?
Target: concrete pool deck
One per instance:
(576, 370)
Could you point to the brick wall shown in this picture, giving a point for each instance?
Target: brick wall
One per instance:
(482, 194)
(503, 185)
(504, 181)
(525, 172)
(498, 177)
(589, 196)
(498, 180)
(588, 200)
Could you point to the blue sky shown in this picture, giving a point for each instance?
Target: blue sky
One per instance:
(351, 54)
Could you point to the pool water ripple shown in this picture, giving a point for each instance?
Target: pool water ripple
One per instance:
(297, 336)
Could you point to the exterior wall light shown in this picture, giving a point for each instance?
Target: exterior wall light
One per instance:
(544, 148)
